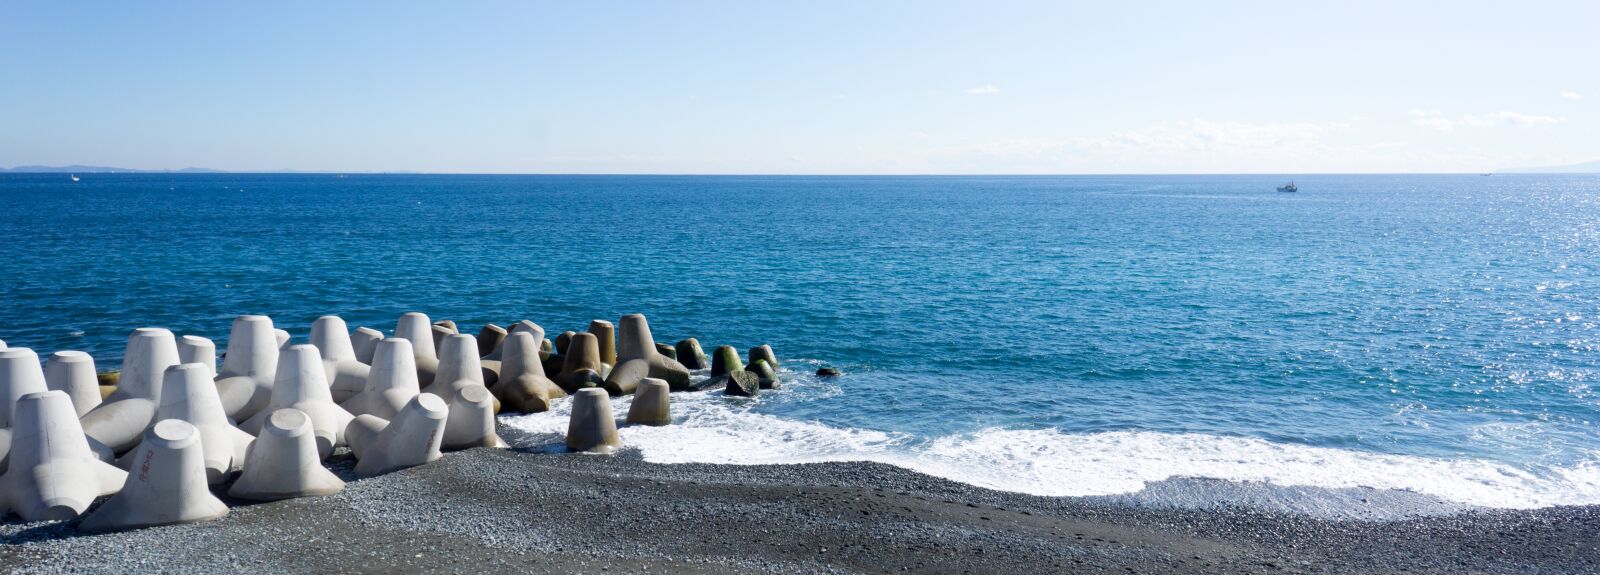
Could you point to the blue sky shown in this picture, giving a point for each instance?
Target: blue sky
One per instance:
(802, 87)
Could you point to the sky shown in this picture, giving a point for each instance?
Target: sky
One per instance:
(813, 87)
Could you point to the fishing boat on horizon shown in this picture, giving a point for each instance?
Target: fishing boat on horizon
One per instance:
(1290, 187)
(74, 177)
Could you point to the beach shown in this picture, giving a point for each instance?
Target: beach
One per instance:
(532, 509)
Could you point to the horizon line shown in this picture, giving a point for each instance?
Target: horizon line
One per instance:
(212, 172)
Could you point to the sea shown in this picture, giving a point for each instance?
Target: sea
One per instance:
(1075, 335)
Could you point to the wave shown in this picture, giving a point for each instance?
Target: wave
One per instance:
(708, 428)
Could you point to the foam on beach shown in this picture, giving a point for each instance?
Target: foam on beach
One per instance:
(712, 428)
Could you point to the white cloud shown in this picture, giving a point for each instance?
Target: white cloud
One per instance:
(1517, 119)
(1432, 119)
(1435, 119)
(983, 90)
(1572, 95)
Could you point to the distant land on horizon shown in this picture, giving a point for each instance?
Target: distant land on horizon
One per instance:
(1580, 168)
(76, 169)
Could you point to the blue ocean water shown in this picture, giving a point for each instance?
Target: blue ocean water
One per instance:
(1056, 335)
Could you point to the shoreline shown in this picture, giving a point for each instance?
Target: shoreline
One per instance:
(528, 510)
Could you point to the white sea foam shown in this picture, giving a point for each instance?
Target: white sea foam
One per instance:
(710, 428)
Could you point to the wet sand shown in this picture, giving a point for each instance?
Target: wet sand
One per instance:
(529, 510)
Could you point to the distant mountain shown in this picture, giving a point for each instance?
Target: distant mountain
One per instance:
(1584, 168)
(101, 170)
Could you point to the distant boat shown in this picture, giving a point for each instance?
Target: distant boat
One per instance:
(1289, 188)
(74, 177)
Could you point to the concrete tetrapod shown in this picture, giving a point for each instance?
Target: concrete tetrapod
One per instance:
(439, 333)
(282, 337)
(190, 397)
(108, 383)
(459, 366)
(150, 351)
(493, 364)
(498, 351)
(728, 373)
(523, 386)
(553, 364)
(521, 326)
(741, 383)
(650, 404)
(639, 359)
(20, 374)
(283, 462)
(412, 438)
(765, 376)
(582, 366)
(607, 336)
(391, 383)
(347, 376)
(302, 384)
(72, 372)
(592, 428)
(126, 413)
(53, 475)
(196, 349)
(471, 420)
(764, 352)
(489, 339)
(690, 354)
(563, 342)
(724, 362)
(167, 484)
(527, 326)
(364, 341)
(414, 327)
(249, 367)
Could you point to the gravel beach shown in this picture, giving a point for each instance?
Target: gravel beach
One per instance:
(533, 510)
